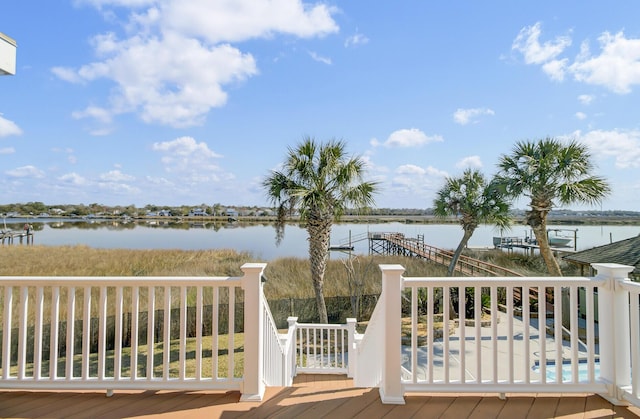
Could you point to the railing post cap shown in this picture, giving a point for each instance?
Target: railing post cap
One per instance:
(253, 266)
(613, 270)
(391, 268)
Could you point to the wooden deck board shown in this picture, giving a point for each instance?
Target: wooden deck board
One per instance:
(519, 407)
(488, 407)
(311, 396)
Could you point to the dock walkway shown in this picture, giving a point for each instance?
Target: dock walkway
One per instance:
(399, 244)
(9, 236)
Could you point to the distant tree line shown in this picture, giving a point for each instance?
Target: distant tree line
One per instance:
(37, 208)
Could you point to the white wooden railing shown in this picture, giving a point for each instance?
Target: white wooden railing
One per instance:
(79, 333)
(321, 348)
(513, 350)
(71, 332)
(278, 368)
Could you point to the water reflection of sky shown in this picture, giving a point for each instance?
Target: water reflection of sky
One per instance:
(260, 239)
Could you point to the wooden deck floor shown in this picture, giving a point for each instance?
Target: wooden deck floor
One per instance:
(312, 396)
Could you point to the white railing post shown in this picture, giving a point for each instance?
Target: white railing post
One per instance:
(391, 391)
(290, 360)
(352, 352)
(613, 324)
(253, 383)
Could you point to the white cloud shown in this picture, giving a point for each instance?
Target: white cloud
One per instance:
(617, 67)
(586, 99)
(528, 43)
(555, 69)
(416, 181)
(240, 20)
(67, 74)
(319, 58)
(25, 172)
(623, 146)
(407, 138)
(466, 116)
(192, 161)
(98, 113)
(411, 169)
(119, 188)
(185, 146)
(163, 79)
(470, 161)
(8, 127)
(355, 40)
(581, 115)
(175, 67)
(74, 179)
(116, 176)
(7, 150)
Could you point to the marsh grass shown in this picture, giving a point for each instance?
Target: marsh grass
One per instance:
(286, 277)
(87, 261)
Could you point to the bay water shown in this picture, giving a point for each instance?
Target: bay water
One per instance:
(260, 239)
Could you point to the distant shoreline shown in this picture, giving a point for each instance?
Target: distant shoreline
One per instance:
(570, 219)
(430, 219)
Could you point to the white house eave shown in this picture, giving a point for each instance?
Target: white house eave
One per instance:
(8, 48)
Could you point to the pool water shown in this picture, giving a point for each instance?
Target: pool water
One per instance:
(583, 371)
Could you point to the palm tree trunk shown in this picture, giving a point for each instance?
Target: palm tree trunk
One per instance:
(540, 232)
(554, 270)
(319, 229)
(452, 267)
(456, 255)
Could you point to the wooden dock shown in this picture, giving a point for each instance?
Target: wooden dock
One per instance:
(399, 244)
(10, 237)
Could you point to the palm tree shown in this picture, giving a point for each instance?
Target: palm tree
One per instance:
(549, 173)
(320, 181)
(475, 201)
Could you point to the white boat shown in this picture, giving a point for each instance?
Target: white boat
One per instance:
(559, 241)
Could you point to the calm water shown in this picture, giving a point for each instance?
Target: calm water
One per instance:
(260, 239)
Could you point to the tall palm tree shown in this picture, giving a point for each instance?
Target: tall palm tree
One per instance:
(321, 182)
(550, 173)
(474, 201)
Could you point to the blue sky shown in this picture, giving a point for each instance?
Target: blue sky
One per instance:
(174, 102)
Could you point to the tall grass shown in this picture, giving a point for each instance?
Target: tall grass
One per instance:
(286, 277)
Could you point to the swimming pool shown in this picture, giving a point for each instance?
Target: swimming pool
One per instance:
(583, 371)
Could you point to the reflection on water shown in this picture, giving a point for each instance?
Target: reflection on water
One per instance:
(260, 238)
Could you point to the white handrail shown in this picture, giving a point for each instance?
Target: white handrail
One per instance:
(110, 332)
